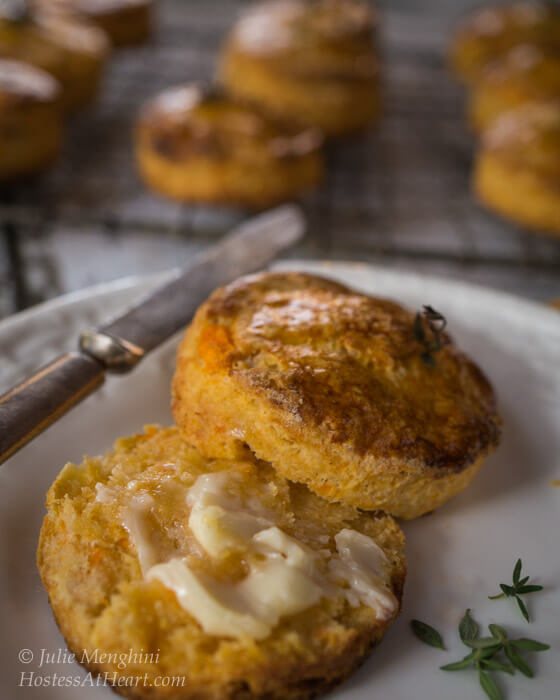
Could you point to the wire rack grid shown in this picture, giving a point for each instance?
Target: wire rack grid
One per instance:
(398, 192)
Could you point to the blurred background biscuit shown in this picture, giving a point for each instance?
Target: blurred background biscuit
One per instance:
(198, 144)
(312, 63)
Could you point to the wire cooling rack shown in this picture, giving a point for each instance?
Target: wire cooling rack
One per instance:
(398, 194)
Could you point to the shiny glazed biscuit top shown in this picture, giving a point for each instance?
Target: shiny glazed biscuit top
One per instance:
(190, 121)
(525, 64)
(281, 25)
(521, 17)
(20, 83)
(350, 367)
(528, 136)
(43, 35)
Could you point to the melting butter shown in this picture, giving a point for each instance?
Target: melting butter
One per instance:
(284, 576)
(136, 521)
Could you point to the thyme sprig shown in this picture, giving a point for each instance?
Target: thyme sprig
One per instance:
(519, 587)
(434, 340)
(496, 652)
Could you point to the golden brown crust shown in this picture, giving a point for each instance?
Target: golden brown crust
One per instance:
(73, 53)
(195, 143)
(490, 32)
(126, 22)
(525, 74)
(311, 63)
(100, 601)
(329, 386)
(30, 120)
(517, 169)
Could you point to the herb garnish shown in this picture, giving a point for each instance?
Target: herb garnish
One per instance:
(427, 634)
(494, 653)
(519, 587)
(433, 341)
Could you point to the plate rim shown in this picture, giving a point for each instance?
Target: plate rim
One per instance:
(544, 314)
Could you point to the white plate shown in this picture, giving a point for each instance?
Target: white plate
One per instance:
(456, 556)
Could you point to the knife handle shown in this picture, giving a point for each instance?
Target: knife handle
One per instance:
(30, 407)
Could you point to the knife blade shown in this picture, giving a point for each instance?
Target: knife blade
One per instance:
(34, 404)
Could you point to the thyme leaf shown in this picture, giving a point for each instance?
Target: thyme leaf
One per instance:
(427, 634)
(518, 588)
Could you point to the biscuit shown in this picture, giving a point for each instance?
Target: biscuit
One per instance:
(517, 167)
(332, 388)
(492, 31)
(526, 74)
(126, 22)
(116, 525)
(197, 144)
(74, 53)
(30, 120)
(314, 63)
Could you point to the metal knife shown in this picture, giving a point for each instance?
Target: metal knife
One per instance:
(30, 407)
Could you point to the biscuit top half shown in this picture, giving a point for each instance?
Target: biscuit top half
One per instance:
(196, 120)
(528, 137)
(338, 369)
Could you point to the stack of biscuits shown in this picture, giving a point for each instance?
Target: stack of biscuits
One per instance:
(52, 57)
(254, 546)
(290, 73)
(509, 58)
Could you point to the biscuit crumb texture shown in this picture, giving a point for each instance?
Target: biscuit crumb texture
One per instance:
(91, 571)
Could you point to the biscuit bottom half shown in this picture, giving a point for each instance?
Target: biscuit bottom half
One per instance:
(117, 528)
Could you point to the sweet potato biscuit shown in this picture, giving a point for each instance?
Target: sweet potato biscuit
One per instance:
(527, 73)
(517, 169)
(329, 386)
(73, 53)
(492, 31)
(30, 119)
(313, 63)
(109, 599)
(126, 22)
(197, 144)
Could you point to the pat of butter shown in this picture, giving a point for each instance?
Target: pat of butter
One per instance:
(136, 521)
(362, 565)
(251, 608)
(216, 616)
(220, 531)
(285, 576)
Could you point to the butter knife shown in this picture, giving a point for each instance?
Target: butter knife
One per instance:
(33, 405)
